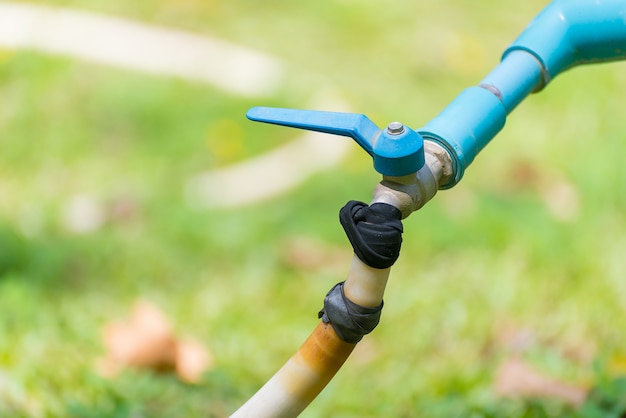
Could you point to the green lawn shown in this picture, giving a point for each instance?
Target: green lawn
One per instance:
(531, 242)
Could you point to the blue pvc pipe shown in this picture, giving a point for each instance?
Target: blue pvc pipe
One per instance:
(518, 75)
(466, 126)
(566, 33)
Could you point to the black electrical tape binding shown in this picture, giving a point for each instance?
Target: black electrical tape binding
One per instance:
(349, 320)
(375, 232)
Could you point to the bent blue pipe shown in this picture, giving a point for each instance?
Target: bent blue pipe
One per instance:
(565, 34)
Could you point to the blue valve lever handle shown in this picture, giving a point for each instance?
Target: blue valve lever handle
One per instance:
(358, 127)
(396, 150)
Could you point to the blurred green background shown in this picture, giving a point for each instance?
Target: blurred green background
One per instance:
(524, 257)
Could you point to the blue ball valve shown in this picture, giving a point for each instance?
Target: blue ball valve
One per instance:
(396, 150)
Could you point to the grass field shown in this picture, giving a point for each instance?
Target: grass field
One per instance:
(525, 257)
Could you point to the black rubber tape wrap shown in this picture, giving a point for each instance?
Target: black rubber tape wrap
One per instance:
(375, 232)
(349, 320)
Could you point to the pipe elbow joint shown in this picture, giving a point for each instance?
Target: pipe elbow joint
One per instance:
(573, 32)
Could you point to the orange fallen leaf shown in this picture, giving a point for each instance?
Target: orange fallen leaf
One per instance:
(146, 340)
(515, 378)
